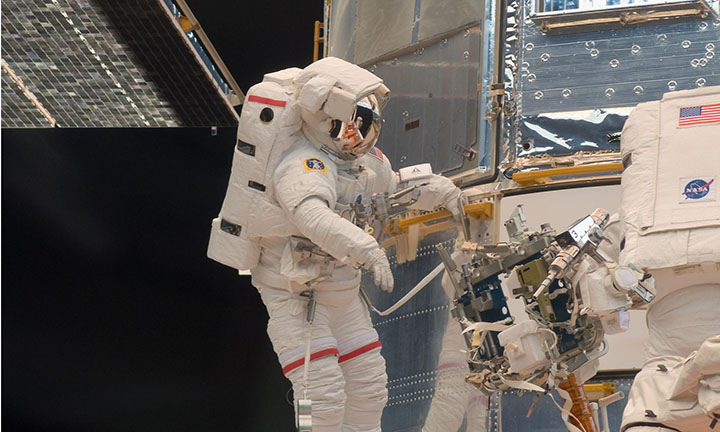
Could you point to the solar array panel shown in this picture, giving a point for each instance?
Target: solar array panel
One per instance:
(103, 63)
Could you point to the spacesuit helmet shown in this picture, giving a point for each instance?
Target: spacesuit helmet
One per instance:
(341, 105)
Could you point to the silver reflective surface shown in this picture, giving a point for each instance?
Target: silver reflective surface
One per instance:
(433, 114)
(361, 31)
(424, 351)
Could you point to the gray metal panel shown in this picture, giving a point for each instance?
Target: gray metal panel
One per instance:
(382, 27)
(363, 31)
(341, 30)
(434, 102)
(635, 62)
(422, 347)
(440, 16)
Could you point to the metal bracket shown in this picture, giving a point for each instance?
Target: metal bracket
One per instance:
(467, 153)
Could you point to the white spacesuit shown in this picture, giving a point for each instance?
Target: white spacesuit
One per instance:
(671, 216)
(304, 161)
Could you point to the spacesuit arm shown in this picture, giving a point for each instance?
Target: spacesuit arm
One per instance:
(337, 236)
(307, 193)
(342, 239)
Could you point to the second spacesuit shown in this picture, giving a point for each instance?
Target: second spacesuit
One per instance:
(320, 165)
(671, 220)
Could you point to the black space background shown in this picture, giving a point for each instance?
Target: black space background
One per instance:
(113, 319)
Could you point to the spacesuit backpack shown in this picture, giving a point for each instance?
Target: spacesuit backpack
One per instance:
(268, 124)
(670, 205)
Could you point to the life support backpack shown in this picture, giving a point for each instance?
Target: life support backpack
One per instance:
(269, 120)
(670, 203)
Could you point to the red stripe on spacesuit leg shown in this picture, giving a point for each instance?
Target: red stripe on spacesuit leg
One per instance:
(267, 101)
(480, 398)
(314, 356)
(362, 350)
(451, 366)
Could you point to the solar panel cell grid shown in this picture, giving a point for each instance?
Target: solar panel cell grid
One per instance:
(104, 64)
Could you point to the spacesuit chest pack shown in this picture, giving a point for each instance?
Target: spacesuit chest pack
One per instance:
(269, 124)
(355, 185)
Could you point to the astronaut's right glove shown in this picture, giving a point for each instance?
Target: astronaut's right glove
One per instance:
(437, 191)
(380, 266)
(455, 202)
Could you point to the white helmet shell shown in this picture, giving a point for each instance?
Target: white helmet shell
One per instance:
(341, 106)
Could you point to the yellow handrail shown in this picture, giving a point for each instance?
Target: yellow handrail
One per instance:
(478, 210)
(543, 176)
(317, 39)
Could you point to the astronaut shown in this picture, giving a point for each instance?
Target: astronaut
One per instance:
(671, 219)
(305, 160)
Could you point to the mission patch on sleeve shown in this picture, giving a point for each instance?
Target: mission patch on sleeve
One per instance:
(315, 164)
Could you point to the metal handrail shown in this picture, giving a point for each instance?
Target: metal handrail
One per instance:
(541, 176)
(317, 39)
(237, 96)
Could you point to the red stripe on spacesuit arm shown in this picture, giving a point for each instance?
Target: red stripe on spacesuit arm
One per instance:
(314, 356)
(362, 350)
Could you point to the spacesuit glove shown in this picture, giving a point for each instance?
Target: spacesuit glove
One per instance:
(455, 203)
(379, 265)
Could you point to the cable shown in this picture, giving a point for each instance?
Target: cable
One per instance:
(416, 289)
(554, 338)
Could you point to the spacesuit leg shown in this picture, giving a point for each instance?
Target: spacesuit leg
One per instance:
(362, 365)
(288, 332)
(681, 327)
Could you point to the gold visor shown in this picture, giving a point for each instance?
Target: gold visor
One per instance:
(357, 136)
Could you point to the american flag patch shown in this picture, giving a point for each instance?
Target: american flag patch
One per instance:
(700, 114)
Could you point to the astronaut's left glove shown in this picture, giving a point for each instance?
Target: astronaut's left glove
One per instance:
(380, 266)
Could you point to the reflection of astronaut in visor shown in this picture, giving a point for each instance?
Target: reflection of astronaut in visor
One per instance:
(359, 134)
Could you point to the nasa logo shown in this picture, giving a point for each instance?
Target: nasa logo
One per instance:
(315, 164)
(697, 189)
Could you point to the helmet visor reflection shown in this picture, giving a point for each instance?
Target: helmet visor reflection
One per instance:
(358, 135)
